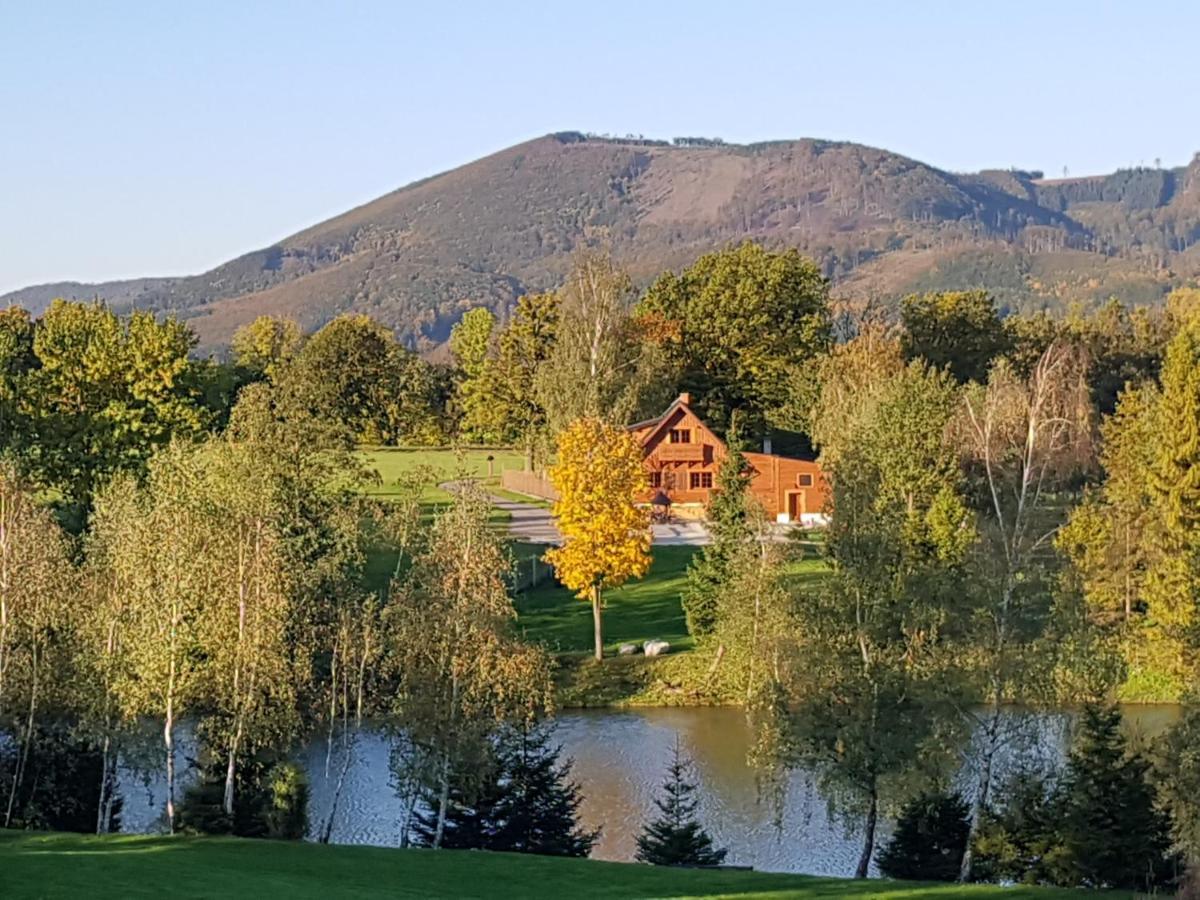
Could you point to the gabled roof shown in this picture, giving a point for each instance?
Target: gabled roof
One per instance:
(655, 425)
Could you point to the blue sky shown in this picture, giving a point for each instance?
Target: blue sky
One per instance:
(164, 138)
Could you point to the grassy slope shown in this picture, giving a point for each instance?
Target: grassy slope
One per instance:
(444, 465)
(637, 611)
(441, 465)
(70, 866)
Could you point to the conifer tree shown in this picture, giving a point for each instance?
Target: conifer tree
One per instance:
(470, 815)
(524, 803)
(538, 808)
(1020, 835)
(1115, 835)
(1178, 780)
(676, 837)
(929, 840)
(1171, 591)
(709, 570)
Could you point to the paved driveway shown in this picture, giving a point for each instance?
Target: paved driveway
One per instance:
(535, 525)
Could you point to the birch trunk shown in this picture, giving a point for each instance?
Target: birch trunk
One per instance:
(868, 850)
(23, 759)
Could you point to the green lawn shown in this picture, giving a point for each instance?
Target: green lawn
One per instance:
(440, 466)
(445, 465)
(637, 611)
(75, 866)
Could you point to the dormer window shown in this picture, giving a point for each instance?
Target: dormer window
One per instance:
(681, 436)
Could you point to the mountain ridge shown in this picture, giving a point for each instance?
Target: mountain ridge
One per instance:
(877, 222)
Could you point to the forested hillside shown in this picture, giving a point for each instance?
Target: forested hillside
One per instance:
(878, 224)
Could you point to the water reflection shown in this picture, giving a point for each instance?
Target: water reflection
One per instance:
(620, 758)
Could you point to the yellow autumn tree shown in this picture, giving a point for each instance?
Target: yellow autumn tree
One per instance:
(606, 537)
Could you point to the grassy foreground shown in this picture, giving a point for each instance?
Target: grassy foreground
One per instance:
(71, 866)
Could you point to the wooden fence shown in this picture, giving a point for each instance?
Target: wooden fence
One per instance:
(530, 483)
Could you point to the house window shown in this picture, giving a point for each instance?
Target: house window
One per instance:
(681, 436)
(656, 479)
(804, 480)
(701, 480)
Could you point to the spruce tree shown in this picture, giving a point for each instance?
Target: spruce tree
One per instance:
(929, 839)
(1113, 832)
(1020, 836)
(537, 809)
(709, 570)
(676, 838)
(524, 803)
(470, 814)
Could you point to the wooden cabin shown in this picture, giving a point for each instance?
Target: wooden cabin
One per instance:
(682, 456)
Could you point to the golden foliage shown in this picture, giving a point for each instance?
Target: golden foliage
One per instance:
(606, 537)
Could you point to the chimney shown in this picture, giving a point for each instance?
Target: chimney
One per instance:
(767, 446)
(685, 398)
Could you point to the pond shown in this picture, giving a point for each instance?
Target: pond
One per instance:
(619, 762)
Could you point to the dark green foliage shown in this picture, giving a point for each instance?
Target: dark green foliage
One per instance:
(676, 838)
(929, 840)
(354, 373)
(1114, 834)
(525, 803)
(709, 570)
(470, 814)
(1019, 837)
(958, 330)
(1098, 827)
(1178, 780)
(538, 808)
(271, 801)
(61, 787)
(737, 324)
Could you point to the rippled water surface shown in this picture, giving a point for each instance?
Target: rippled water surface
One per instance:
(620, 757)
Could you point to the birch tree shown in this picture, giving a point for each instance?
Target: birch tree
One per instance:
(462, 673)
(865, 704)
(36, 584)
(162, 564)
(251, 688)
(598, 366)
(1022, 441)
(104, 639)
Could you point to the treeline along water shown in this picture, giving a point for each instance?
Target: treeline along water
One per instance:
(620, 757)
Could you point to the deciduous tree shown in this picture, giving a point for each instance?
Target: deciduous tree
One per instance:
(462, 674)
(736, 324)
(606, 536)
(266, 342)
(599, 366)
(1022, 441)
(957, 330)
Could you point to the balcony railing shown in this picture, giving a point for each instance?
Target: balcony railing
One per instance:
(680, 452)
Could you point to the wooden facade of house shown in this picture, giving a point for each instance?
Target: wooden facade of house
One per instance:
(682, 456)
